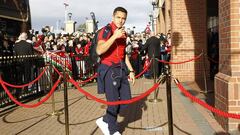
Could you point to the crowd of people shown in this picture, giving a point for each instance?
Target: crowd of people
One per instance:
(137, 49)
(77, 47)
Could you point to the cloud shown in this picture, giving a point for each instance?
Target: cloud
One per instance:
(48, 12)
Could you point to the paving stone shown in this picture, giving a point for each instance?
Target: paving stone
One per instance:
(142, 118)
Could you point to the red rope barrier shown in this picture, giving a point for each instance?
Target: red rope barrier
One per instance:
(33, 105)
(212, 109)
(25, 85)
(140, 74)
(116, 102)
(166, 62)
(137, 76)
(94, 76)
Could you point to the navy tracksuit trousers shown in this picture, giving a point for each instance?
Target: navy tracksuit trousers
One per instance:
(116, 88)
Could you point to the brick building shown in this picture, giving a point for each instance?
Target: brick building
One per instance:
(190, 22)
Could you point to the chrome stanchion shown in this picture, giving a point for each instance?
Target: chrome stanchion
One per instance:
(66, 99)
(155, 98)
(54, 112)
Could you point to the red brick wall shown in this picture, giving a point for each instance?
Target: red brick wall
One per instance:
(188, 37)
(163, 20)
(227, 81)
(167, 15)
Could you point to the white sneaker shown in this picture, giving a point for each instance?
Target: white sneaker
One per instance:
(117, 133)
(103, 126)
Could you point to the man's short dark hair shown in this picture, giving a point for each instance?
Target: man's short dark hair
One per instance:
(119, 9)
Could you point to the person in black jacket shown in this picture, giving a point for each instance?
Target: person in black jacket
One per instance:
(152, 47)
(70, 49)
(22, 47)
(24, 67)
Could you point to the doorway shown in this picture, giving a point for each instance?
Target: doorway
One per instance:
(212, 37)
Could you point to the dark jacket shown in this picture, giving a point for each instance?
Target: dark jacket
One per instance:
(24, 65)
(152, 46)
(23, 48)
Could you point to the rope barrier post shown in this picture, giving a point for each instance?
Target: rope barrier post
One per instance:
(155, 98)
(205, 75)
(66, 98)
(54, 112)
(169, 101)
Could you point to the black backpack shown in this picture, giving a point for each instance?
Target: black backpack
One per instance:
(93, 56)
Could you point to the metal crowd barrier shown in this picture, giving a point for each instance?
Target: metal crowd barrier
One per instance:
(19, 70)
(85, 68)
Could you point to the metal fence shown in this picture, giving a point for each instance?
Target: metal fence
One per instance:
(19, 70)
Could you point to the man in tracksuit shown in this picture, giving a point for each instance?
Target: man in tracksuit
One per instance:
(114, 70)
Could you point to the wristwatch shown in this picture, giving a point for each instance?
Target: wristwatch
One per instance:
(132, 72)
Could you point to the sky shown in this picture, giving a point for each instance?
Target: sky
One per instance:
(49, 12)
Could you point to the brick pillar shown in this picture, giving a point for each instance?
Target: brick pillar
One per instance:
(167, 15)
(162, 28)
(227, 81)
(189, 37)
(163, 20)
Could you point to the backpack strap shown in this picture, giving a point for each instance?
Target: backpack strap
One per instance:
(107, 29)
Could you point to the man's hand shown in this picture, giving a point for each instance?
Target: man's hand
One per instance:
(132, 77)
(119, 33)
